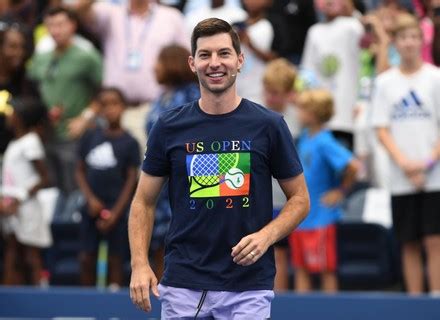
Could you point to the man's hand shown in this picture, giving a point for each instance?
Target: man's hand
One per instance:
(142, 281)
(251, 248)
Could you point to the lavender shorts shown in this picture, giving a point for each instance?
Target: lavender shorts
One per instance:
(180, 303)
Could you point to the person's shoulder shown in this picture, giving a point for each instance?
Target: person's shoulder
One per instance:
(171, 115)
(325, 138)
(90, 133)
(128, 138)
(318, 26)
(84, 51)
(259, 111)
(388, 76)
(431, 70)
(31, 138)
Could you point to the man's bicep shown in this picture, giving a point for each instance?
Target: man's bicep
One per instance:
(295, 186)
(148, 188)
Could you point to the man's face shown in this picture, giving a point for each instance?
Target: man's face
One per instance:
(409, 43)
(61, 28)
(216, 63)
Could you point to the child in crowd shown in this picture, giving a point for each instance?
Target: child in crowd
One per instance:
(332, 52)
(24, 174)
(330, 171)
(406, 115)
(278, 83)
(106, 173)
(256, 36)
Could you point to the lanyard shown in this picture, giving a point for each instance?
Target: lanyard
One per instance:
(143, 34)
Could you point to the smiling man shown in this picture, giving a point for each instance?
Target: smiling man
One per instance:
(219, 154)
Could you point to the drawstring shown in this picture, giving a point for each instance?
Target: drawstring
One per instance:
(200, 305)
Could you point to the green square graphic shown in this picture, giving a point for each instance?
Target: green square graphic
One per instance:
(208, 173)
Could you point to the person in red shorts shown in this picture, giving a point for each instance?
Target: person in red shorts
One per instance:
(330, 170)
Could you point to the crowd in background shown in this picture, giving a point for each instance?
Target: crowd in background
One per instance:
(85, 81)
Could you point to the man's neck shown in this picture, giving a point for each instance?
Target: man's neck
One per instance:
(217, 104)
(410, 66)
(139, 7)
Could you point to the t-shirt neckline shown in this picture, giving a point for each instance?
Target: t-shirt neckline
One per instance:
(222, 115)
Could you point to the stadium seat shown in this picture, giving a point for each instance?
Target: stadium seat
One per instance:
(366, 257)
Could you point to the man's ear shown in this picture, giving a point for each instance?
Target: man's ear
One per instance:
(191, 64)
(240, 61)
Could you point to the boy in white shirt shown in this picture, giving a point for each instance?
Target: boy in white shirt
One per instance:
(406, 115)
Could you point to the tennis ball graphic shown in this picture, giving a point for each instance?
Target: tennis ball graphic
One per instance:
(234, 178)
(330, 65)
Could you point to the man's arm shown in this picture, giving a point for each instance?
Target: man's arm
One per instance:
(85, 12)
(140, 227)
(294, 211)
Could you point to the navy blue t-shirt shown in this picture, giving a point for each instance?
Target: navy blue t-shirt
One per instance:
(107, 160)
(219, 169)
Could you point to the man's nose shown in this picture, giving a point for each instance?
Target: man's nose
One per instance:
(215, 61)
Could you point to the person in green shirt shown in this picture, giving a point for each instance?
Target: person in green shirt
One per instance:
(67, 77)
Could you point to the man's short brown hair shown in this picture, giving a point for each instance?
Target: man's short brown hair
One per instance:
(319, 102)
(210, 27)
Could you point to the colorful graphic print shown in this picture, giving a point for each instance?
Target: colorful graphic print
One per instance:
(218, 174)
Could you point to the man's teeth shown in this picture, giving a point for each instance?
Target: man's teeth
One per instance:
(216, 75)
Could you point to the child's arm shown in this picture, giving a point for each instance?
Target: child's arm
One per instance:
(335, 196)
(94, 204)
(122, 202)
(41, 168)
(410, 167)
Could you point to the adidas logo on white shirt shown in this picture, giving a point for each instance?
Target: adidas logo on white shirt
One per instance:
(410, 107)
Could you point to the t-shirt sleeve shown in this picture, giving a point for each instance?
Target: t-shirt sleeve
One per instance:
(336, 155)
(83, 145)
(34, 148)
(284, 160)
(134, 154)
(380, 114)
(156, 162)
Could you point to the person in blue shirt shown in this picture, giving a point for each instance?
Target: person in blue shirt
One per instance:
(219, 154)
(180, 87)
(106, 172)
(330, 171)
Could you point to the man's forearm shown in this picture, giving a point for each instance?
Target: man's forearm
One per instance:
(293, 212)
(140, 227)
